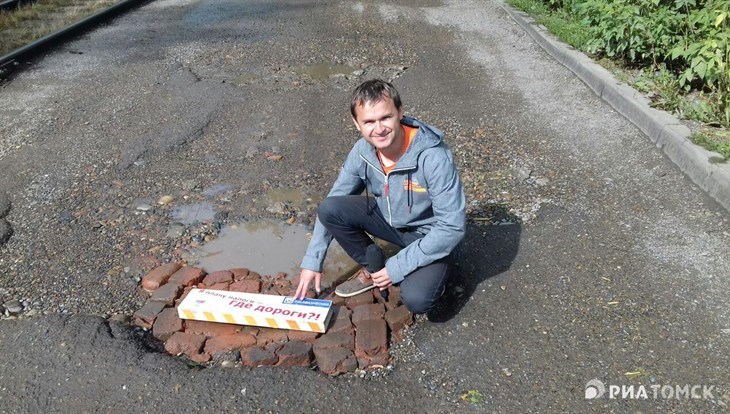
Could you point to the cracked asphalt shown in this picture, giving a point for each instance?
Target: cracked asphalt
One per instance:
(588, 254)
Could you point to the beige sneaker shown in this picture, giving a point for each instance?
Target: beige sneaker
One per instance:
(360, 282)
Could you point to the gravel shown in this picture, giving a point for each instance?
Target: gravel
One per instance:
(14, 307)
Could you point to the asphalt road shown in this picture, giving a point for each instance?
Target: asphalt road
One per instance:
(588, 255)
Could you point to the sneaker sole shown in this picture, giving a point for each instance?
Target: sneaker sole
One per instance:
(357, 292)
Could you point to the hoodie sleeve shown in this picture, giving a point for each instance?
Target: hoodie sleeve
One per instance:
(449, 209)
(348, 182)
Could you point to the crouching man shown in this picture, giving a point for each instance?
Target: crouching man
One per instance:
(413, 198)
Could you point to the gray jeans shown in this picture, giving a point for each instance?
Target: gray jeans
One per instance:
(349, 218)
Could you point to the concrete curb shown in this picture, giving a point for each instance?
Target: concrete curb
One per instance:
(7, 62)
(664, 129)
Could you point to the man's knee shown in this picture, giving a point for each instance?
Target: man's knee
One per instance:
(328, 208)
(416, 303)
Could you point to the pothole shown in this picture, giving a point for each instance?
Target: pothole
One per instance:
(270, 247)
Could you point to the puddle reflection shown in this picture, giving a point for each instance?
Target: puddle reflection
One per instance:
(267, 247)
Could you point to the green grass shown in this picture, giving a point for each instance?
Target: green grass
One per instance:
(31, 22)
(560, 23)
(714, 140)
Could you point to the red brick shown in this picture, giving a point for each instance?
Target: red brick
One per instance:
(183, 295)
(364, 298)
(246, 286)
(159, 276)
(304, 336)
(336, 299)
(188, 276)
(371, 343)
(239, 274)
(184, 343)
(255, 356)
(295, 354)
(200, 358)
(145, 317)
(396, 336)
(335, 361)
(217, 277)
(253, 276)
(229, 343)
(269, 335)
(220, 286)
(167, 293)
(340, 320)
(398, 318)
(167, 323)
(284, 290)
(250, 330)
(211, 329)
(334, 340)
(274, 346)
(281, 280)
(367, 313)
(393, 298)
(269, 291)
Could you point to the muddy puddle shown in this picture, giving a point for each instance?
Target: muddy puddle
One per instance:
(321, 71)
(193, 213)
(216, 189)
(267, 247)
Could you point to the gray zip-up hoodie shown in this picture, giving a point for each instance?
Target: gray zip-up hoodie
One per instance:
(422, 192)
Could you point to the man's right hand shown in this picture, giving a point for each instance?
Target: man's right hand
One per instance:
(305, 278)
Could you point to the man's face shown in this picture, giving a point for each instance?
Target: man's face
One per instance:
(379, 124)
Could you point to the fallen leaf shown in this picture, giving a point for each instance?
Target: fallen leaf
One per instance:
(473, 397)
(633, 374)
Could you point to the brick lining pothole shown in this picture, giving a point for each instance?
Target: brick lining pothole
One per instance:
(358, 335)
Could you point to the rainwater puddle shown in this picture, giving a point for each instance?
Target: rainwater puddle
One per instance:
(193, 213)
(286, 195)
(321, 71)
(268, 247)
(216, 189)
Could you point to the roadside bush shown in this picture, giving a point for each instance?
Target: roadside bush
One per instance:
(689, 38)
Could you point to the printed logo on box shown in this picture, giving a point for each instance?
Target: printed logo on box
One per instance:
(307, 302)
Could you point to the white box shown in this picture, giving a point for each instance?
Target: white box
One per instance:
(283, 312)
